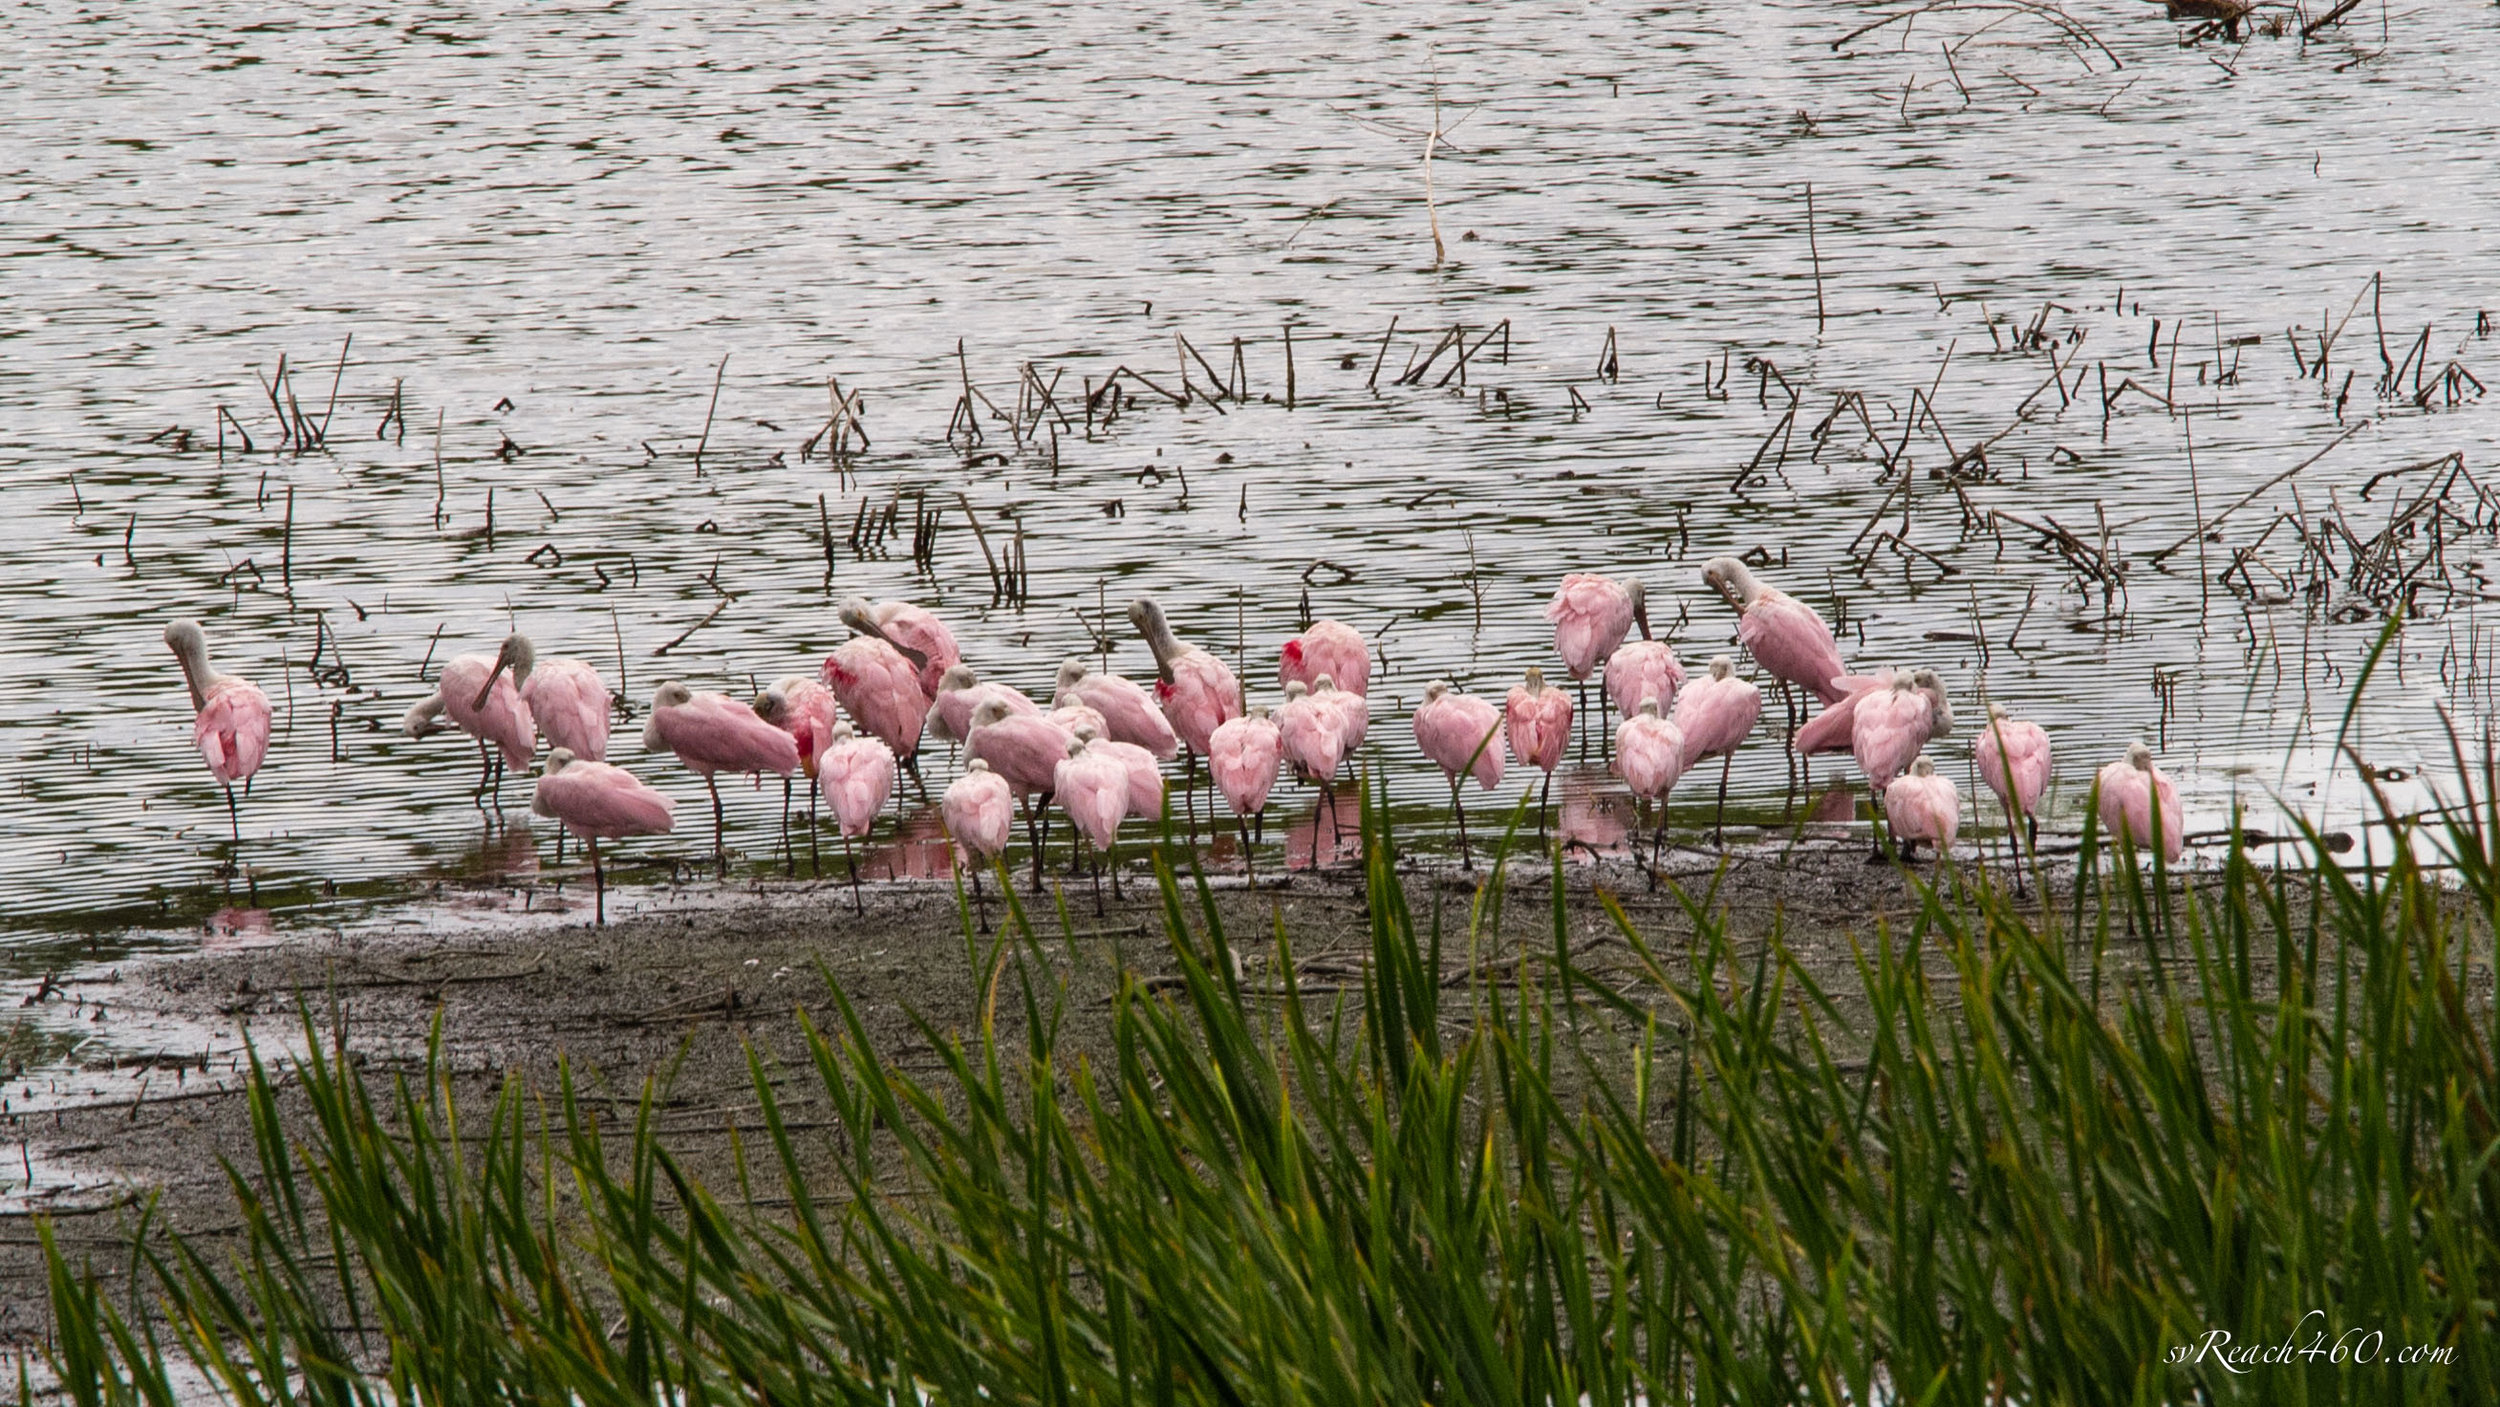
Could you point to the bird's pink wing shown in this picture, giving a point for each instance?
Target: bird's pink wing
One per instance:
(232, 732)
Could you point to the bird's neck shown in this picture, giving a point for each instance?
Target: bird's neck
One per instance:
(193, 656)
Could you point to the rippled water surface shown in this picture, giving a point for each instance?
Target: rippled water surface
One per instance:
(508, 257)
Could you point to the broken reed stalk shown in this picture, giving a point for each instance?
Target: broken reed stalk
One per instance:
(337, 373)
(438, 469)
(1372, 383)
(1815, 252)
(286, 549)
(824, 532)
(708, 411)
(1288, 366)
(2251, 496)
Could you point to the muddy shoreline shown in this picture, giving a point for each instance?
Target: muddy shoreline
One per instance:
(682, 994)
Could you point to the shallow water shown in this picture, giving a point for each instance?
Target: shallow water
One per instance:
(545, 232)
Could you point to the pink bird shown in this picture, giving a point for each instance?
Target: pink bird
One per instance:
(1309, 732)
(1196, 690)
(598, 802)
(978, 811)
(1919, 805)
(2127, 789)
(1329, 648)
(857, 775)
(1789, 641)
(473, 692)
(565, 700)
(1649, 756)
(1463, 736)
(916, 633)
(1716, 713)
(1128, 712)
(1835, 728)
(806, 710)
(1145, 778)
(713, 733)
(1538, 722)
(1591, 615)
(880, 691)
(1093, 788)
(1894, 724)
(1643, 669)
(1243, 756)
(1352, 712)
(2013, 759)
(1025, 749)
(232, 729)
(1074, 716)
(959, 692)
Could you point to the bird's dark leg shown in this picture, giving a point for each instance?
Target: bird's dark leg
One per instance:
(814, 865)
(1883, 826)
(851, 857)
(1189, 795)
(1033, 842)
(720, 828)
(498, 788)
(1718, 828)
(1249, 861)
(234, 821)
(980, 905)
(1113, 860)
(1075, 848)
(1543, 800)
(1458, 808)
(911, 764)
(598, 880)
(789, 852)
(485, 773)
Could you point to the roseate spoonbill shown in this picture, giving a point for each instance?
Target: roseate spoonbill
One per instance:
(1092, 787)
(1919, 805)
(1197, 691)
(1128, 712)
(1026, 749)
(1352, 711)
(1329, 648)
(568, 701)
(1313, 738)
(232, 729)
(1643, 668)
(713, 733)
(959, 692)
(2013, 759)
(598, 802)
(857, 775)
(1538, 721)
(1649, 756)
(1787, 639)
(1591, 615)
(1242, 757)
(806, 710)
(476, 694)
(2128, 788)
(1145, 778)
(978, 810)
(1463, 736)
(916, 632)
(1893, 726)
(879, 689)
(1071, 715)
(1717, 712)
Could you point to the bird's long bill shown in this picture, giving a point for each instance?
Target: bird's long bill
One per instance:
(501, 664)
(864, 626)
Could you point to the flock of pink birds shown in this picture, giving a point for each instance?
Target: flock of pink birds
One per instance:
(1097, 750)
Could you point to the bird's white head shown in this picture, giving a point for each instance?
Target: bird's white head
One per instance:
(2140, 757)
(1148, 617)
(1072, 671)
(1721, 666)
(956, 678)
(1076, 746)
(1996, 712)
(1922, 767)
(670, 694)
(560, 758)
(1732, 580)
(1322, 684)
(839, 733)
(1294, 689)
(990, 711)
(1536, 680)
(1903, 681)
(1640, 605)
(1649, 706)
(858, 614)
(1258, 711)
(1436, 689)
(772, 705)
(190, 647)
(976, 765)
(517, 656)
(1082, 732)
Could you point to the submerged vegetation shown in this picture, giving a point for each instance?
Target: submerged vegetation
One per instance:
(2122, 1146)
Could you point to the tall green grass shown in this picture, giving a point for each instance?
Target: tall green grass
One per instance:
(2010, 1154)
